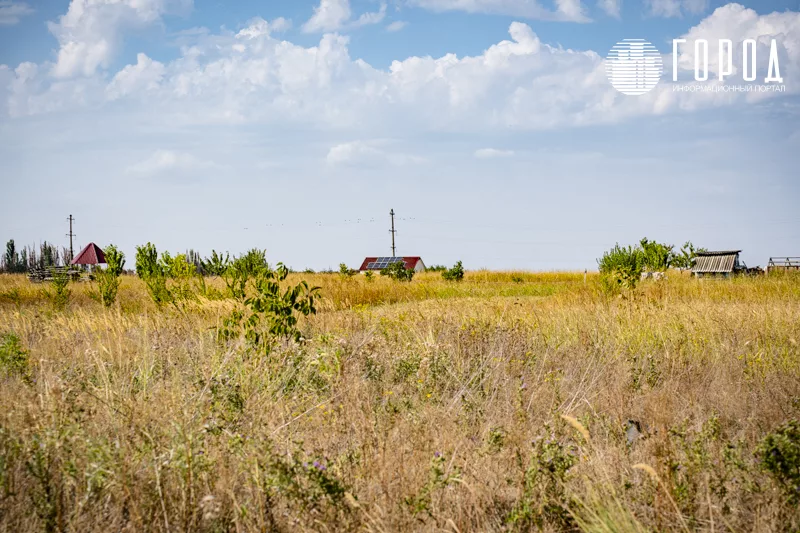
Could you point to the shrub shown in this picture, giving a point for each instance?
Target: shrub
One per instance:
(657, 257)
(345, 271)
(157, 271)
(13, 359)
(454, 274)
(108, 279)
(398, 272)
(216, 264)
(621, 267)
(273, 314)
(780, 456)
(686, 257)
(436, 268)
(244, 268)
(61, 292)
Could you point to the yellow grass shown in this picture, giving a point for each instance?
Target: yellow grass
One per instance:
(495, 404)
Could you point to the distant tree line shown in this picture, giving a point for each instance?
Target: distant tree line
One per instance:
(30, 258)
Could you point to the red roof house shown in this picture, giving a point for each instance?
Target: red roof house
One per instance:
(90, 255)
(379, 263)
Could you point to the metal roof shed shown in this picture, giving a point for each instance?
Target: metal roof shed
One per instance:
(724, 263)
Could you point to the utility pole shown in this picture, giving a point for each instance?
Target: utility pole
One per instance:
(392, 231)
(71, 235)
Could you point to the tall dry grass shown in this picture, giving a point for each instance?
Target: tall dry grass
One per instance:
(424, 406)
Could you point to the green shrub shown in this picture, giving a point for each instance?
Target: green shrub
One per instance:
(779, 453)
(454, 274)
(13, 359)
(61, 291)
(657, 257)
(216, 264)
(108, 278)
(621, 267)
(345, 271)
(244, 268)
(398, 272)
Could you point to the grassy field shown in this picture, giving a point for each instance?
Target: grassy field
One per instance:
(507, 402)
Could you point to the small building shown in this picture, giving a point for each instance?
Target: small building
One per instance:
(721, 263)
(379, 263)
(91, 255)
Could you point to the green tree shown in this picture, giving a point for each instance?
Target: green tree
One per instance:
(621, 267)
(657, 257)
(108, 278)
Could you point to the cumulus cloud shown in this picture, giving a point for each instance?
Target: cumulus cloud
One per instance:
(566, 10)
(12, 12)
(676, 8)
(491, 153)
(333, 15)
(89, 34)
(519, 83)
(610, 7)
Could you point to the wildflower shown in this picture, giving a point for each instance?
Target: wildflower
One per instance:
(437, 454)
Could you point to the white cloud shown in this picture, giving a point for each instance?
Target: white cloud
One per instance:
(369, 154)
(519, 83)
(397, 25)
(610, 7)
(169, 161)
(90, 33)
(676, 8)
(145, 75)
(567, 10)
(333, 15)
(491, 153)
(11, 12)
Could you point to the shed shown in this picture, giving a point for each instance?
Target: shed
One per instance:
(90, 255)
(379, 263)
(719, 263)
(783, 263)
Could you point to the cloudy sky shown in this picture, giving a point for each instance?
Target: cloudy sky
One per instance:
(489, 126)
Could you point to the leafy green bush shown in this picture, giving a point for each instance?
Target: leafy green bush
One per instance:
(61, 292)
(157, 272)
(345, 271)
(436, 268)
(273, 314)
(108, 278)
(243, 268)
(685, 258)
(621, 267)
(216, 264)
(657, 257)
(780, 456)
(13, 359)
(398, 272)
(454, 274)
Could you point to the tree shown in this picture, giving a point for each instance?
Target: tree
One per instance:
(108, 278)
(622, 267)
(11, 259)
(657, 257)
(685, 259)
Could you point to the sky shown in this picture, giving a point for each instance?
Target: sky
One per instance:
(489, 126)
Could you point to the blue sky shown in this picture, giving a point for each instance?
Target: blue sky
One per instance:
(488, 125)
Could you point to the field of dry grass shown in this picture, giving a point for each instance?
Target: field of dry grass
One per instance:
(506, 402)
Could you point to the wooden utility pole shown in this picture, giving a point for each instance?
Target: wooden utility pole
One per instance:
(392, 231)
(71, 235)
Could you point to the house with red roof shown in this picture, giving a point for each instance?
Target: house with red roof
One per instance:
(379, 263)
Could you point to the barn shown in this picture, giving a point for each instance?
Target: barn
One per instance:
(721, 263)
(379, 263)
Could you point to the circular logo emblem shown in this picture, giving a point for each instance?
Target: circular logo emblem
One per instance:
(634, 66)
